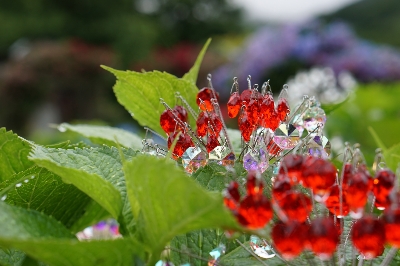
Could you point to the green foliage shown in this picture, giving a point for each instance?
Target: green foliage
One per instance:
(47, 194)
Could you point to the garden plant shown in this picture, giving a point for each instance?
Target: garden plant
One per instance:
(266, 194)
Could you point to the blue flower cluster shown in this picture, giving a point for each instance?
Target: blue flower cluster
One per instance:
(313, 43)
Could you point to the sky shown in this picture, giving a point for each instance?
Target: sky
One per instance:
(289, 10)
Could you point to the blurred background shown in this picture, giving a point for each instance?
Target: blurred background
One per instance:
(50, 52)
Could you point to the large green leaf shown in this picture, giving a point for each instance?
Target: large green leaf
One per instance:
(95, 171)
(45, 239)
(72, 252)
(140, 94)
(19, 223)
(171, 203)
(191, 76)
(38, 189)
(105, 135)
(13, 154)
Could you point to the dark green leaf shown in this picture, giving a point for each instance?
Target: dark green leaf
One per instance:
(38, 189)
(13, 154)
(105, 135)
(95, 171)
(191, 76)
(19, 223)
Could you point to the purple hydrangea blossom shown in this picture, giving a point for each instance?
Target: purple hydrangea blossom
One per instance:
(313, 43)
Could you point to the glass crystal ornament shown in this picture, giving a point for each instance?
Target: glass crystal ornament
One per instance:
(292, 167)
(318, 174)
(295, 206)
(260, 247)
(289, 238)
(391, 218)
(232, 196)
(234, 104)
(319, 146)
(204, 97)
(336, 205)
(255, 211)
(286, 136)
(183, 143)
(256, 160)
(383, 184)
(217, 252)
(314, 116)
(368, 236)
(323, 237)
(358, 187)
(193, 158)
(222, 155)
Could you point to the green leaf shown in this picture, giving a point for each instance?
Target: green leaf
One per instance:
(95, 171)
(13, 154)
(140, 94)
(191, 76)
(171, 203)
(19, 223)
(45, 239)
(38, 189)
(72, 252)
(378, 141)
(195, 247)
(105, 135)
(392, 157)
(11, 257)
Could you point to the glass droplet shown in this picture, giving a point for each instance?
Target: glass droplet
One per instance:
(193, 158)
(286, 136)
(256, 160)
